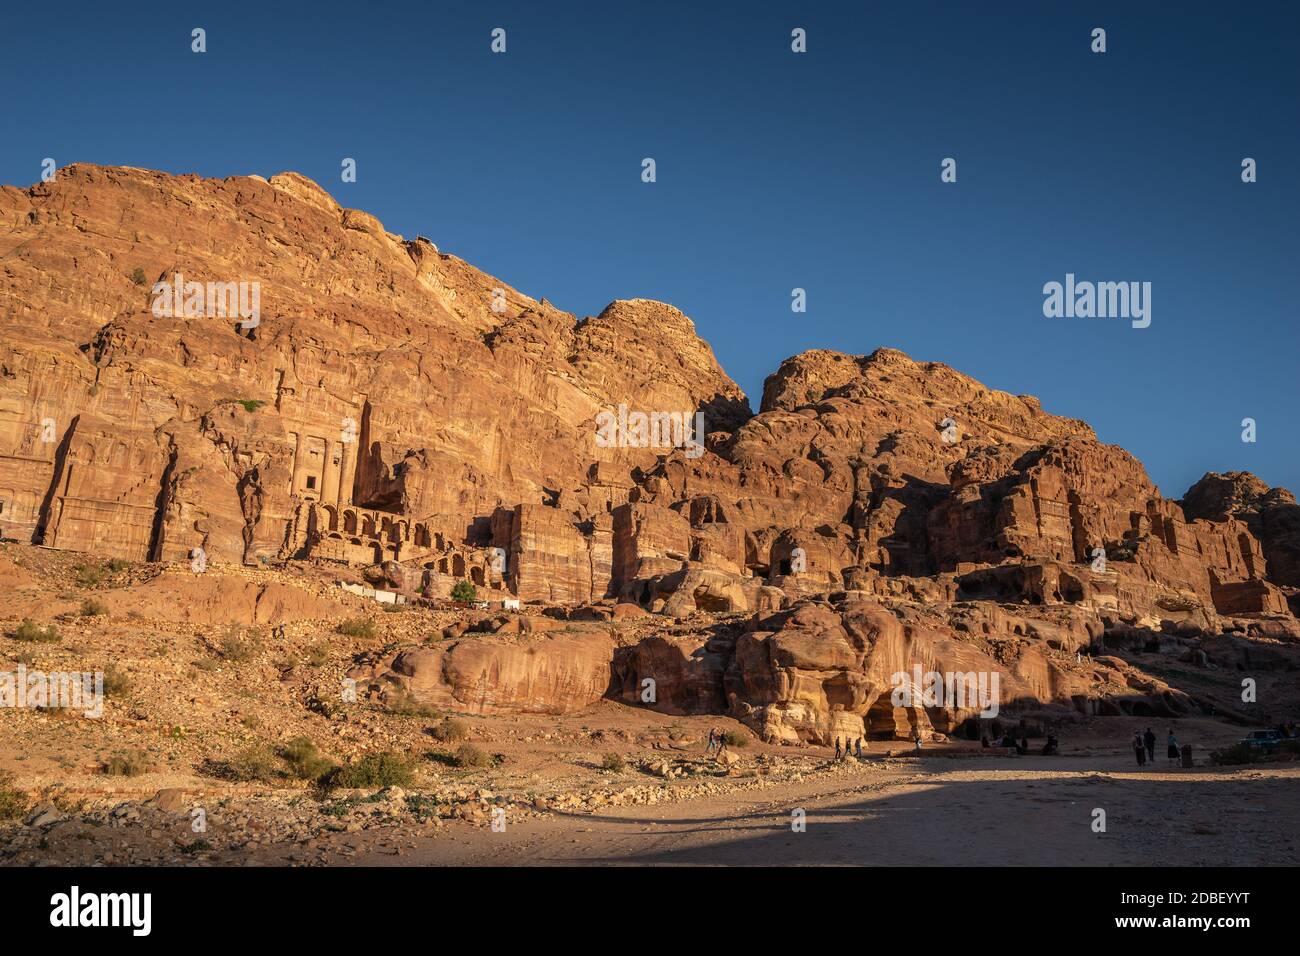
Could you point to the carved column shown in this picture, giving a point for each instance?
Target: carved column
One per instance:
(347, 461)
(329, 491)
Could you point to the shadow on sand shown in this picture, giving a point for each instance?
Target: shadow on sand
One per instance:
(953, 819)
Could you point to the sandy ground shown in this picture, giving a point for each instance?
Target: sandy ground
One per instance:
(187, 705)
(959, 810)
(974, 810)
(1008, 812)
(913, 812)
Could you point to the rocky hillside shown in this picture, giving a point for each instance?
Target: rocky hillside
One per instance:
(163, 433)
(243, 370)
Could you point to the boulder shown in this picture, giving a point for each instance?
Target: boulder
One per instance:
(560, 672)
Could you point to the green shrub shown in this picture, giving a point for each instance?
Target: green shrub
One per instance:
(421, 805)
(33, 633)
(1236, 754)
(614, 762)
(13, 803)
(116, 682)
(318, 655)
(250, 404)
(405, 705)
(305, 761)
(138, 277)
(386, 769)
(254, 764)
(88, 575)
(464, 591)
(358, 627)
(129, 764)
(237, 647)
(734, 738)
(339, 808)
(467, 755)
(449, 730)
(1241, 753)
(93, 608)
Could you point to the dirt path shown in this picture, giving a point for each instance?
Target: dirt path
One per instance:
(1007, 812)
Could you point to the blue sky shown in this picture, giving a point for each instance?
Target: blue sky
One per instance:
(775, 171)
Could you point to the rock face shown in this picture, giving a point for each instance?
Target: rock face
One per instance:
(243, 366)
(1271, 515)
(539, 673)
(900, 669)
(388, 397)
(186, 597)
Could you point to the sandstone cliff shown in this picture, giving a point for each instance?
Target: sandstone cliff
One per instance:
(381, 376)
(357, 397)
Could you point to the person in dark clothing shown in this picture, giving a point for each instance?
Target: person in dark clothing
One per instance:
(1139, 749)
(838, 755)
(1022, 748)
(1172, 744)
(857, 748)
(1050, 748)
(1149, 738)
(984, 742)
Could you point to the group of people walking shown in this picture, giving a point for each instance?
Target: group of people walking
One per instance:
(851, 748)
(1144, 746)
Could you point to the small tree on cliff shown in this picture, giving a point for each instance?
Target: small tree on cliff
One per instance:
(464, 591)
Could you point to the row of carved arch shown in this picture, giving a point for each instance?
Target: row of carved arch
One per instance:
(454, 565)
(335, 522)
